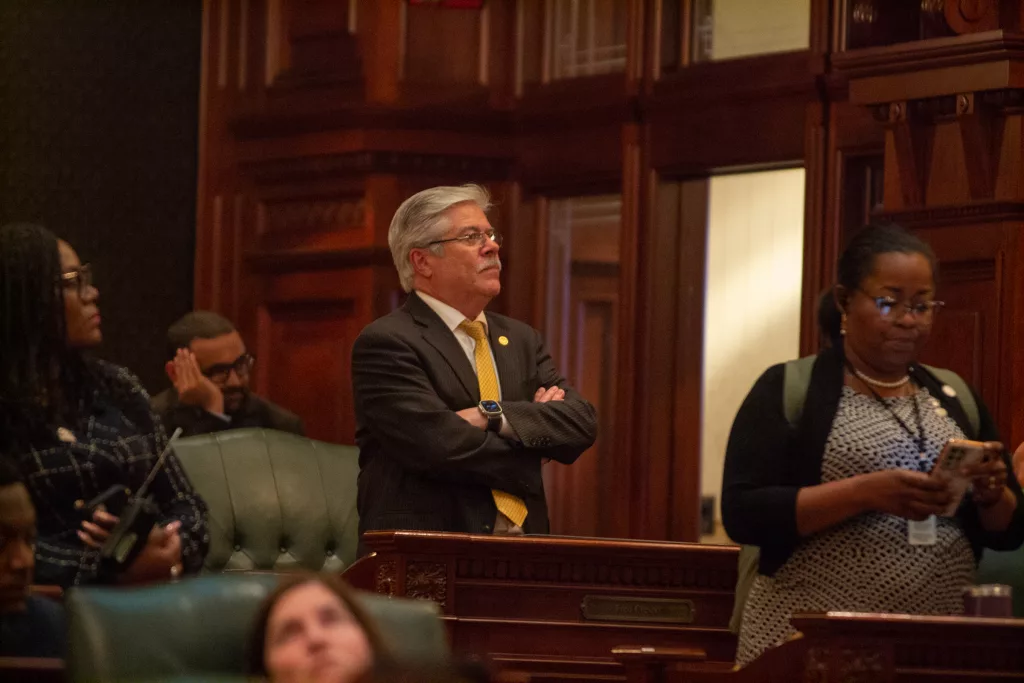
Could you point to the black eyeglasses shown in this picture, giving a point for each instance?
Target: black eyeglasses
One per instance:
(79, 279)
(890, 309)
(473, 239)
(220, 373)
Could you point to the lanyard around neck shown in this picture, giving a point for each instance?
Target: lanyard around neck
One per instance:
(918, 438)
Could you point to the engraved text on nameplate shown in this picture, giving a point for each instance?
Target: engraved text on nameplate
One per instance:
(612, 608)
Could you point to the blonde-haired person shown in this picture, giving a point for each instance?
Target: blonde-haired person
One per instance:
(311, 630)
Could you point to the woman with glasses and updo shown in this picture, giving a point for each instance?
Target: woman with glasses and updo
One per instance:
(830, 475)
(79, 427)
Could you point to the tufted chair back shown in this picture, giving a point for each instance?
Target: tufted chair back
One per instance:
(197, 629)
(277, 501)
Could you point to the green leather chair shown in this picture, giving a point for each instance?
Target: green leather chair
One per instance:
(197, 629)
(277, 501)
(1006, 568)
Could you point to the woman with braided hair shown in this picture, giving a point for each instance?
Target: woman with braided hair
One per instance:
(76, 425)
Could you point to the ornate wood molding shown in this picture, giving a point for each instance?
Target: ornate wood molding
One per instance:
(307, 259)
(358, 164)
(930, 68)
(981, 212)
(427, 581)
(930, 54)
(306, 215)
(594, 573)
(386, 581)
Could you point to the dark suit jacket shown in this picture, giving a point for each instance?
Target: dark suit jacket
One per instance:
(424, 467)
(256, 412)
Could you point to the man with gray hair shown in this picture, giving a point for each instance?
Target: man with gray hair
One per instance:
(457, 409)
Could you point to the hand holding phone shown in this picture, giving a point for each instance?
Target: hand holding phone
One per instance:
(956, 456)
(988, 477)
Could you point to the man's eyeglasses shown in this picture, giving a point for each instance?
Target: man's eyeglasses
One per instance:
(890, 309)
(79, 279)
(219, 374)
(473, 239)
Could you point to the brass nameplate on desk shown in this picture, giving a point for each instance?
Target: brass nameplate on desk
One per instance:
(611, 608)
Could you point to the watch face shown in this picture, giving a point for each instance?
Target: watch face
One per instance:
(490, 406)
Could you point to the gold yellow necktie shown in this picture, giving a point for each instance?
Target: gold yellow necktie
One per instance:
(511, 506)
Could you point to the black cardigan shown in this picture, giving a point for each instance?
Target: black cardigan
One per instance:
(767, 462)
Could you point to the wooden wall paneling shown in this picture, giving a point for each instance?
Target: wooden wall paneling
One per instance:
(444, 46)
(973, 335)
(312, 216)
(641, 31)
(854, 162)
(968, 336)
(815, 276)
(689, 352)
(526, 252)
(1012, 425)
(582, 505)
(210, 156)
(633, 468)
(821, 34)
(307, 323)
(582, 312)
(501, 52)
(741, 112)
(380, 37)
(668, 38)
(504, 217)
(321, 50)
(572, 159)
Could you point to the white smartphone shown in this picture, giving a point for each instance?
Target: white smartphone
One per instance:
(957, 454)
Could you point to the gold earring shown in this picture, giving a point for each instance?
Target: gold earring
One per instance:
(842, 324)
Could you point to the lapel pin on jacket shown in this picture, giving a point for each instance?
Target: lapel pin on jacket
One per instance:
(503, 340)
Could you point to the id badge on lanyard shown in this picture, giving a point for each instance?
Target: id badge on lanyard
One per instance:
(923, 532)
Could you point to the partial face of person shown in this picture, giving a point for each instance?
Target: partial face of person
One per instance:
(467, 268)
(81, 310)
(888, 316)
(17, 546)
(312, 637)
(224, 360)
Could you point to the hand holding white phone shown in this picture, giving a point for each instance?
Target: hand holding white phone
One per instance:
(956, 455)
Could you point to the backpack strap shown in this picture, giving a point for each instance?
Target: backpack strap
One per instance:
(796, 380)
(750, 557)
(963, 394)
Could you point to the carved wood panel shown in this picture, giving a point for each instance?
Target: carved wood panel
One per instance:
(306, 326)
(582, 307)
(967, 330)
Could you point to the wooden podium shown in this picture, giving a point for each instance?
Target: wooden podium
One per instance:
(841, 647)
(555, 607)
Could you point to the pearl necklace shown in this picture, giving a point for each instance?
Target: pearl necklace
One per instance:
(879, 383)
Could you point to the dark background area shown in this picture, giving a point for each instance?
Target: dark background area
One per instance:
(98, 142)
